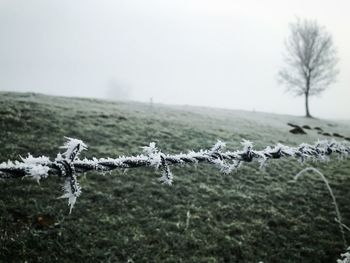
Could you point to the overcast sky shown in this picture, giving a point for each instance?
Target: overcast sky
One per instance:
(216, 53)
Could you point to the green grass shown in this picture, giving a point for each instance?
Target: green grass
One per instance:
(249, 216)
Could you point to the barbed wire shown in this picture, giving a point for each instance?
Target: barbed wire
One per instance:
(68, 165)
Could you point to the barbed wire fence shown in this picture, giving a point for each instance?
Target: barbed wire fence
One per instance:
(68, 165)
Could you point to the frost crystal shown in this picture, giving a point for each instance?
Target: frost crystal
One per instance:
(153, 154)
(225, 167)
(218, 146)
(71, 187)
(73, 148)
(247, 145)
(36, 160)
(68, 189)
(38, 172)
(167, 176)
(345, 257)
(36, 166)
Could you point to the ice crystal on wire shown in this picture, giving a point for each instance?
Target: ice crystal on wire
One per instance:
(167, 176)
(225, 167)
(36, 166)
(218, 146)
(71, 186)
(153, 154)
(262, 159)
(36, 160)
(247, 145)
(38, 172)
(71, 192)
(73, 148)
(345, 257)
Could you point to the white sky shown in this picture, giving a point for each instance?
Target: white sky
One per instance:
(216, 53)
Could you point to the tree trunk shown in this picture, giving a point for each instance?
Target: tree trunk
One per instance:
(308, 115)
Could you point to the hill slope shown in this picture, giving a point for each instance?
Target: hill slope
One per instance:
(248, 216)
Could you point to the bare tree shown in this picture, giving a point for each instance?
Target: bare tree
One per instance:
(310, 60)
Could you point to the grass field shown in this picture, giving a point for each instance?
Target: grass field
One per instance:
(251, 215)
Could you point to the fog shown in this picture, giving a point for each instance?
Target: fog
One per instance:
(213, 53)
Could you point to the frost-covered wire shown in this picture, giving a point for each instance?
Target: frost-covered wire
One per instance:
(68, 165)
(71, 187)
(344, 257)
